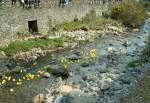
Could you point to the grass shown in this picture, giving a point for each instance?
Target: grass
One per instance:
(92, 24)
(25, 45)
(133, 63)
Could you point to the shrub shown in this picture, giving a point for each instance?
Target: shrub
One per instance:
(129, 12)
(89, 21)
(131, 64)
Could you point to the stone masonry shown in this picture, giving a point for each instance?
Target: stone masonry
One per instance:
(15, 19)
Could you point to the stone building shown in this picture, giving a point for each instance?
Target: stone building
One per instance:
(15, 19)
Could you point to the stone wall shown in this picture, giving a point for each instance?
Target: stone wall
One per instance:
(15, 19)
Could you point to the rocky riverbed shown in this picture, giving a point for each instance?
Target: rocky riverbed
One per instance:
(107, 77)
(98, 80)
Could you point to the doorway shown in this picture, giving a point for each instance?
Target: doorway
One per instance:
(33, 27)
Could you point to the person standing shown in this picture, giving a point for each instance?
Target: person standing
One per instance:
(65, 2)
(60, 3)
(38, 3)
(13, 2)
(26, 3)
(22, 3)
(1, 2)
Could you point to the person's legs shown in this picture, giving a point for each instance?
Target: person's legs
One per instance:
(12, 2)
(64, 3)
(60, 3)
(38, 3)
(35, 3)
(29, 3)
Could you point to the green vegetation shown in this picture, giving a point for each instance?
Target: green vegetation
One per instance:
(25, 45)
(90, 21)
(129, 12)
(133, 63)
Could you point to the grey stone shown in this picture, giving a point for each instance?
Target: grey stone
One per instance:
(65, 89)
(16, 69)
(73, 80)
(127, 78)
(58, 99)
(2, 54)
(103, 70)
(85, 63)
(89, 77)
(117, 86)
(77, 52)
(73, 57)
(3, 66)
(105, 83)
(58, 70)
(79, 97)
(46, 75)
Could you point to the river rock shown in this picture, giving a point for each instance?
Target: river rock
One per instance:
(89, 77)
(3, 66)
(126, 43)
(103, 70)
(65, 89)
(135, 30)
(85, 64)
(46, 75)
(78, 97)
(105, 83)
(16, 69)
(117, 86)
(77, 52)
(58, 70)
(73, 57)
(38, 98)
(48, 100)
(2, 54)
(74, 79)
(111, 49)
(127, 78)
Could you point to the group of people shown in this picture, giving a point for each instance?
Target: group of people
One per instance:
(35, 3)
(26, 3)
(63, 2)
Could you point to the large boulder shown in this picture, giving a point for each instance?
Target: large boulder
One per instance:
(73, 57)
(78, 97)
(57, 70)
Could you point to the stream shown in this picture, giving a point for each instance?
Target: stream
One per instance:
(137, 41)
